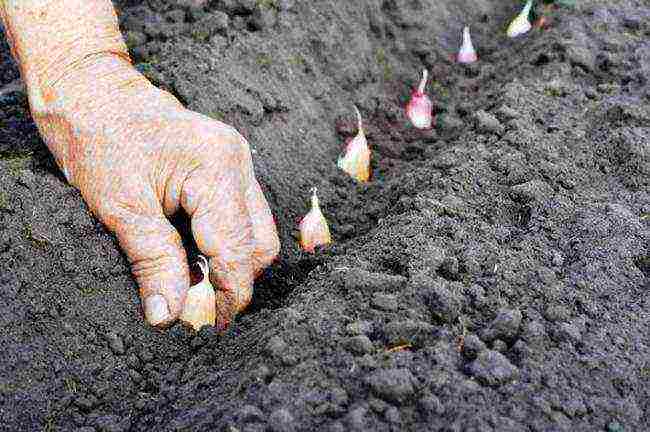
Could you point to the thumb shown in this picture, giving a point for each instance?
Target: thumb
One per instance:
(158, 263)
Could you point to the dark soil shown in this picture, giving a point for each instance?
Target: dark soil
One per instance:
(493, 276)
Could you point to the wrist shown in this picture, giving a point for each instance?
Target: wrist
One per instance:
(75, 110)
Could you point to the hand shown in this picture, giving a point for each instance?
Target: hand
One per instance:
(137, 156)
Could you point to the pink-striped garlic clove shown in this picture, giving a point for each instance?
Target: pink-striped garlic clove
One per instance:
(419, 108)
(356, 159)
(467, 53)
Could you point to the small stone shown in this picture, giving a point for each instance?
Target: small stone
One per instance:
(492, 368)
(263, 17)
(504, 326)
(557, 313)
(487, 123)
(359, 345)
(115, 343)
(443, 303)
(472, 346)
(394, 385)
(384, 302)
(558, 259)
(281, 421)
(534, 190)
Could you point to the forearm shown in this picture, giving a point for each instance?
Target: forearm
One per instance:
(51, 38)
(73, 61)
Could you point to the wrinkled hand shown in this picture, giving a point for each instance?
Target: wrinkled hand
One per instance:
(137, 156)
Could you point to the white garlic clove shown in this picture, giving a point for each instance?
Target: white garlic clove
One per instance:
(521, 24)
(314, 230)
(200, 305)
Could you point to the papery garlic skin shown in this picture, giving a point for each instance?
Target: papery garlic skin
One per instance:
(356, 159)
(420, 106)
(467, 53)
(521, 24)
(201, 303)
(314, 230)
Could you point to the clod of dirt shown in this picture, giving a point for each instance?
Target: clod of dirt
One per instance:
(492, 368)
(394, 385)
(504, 326)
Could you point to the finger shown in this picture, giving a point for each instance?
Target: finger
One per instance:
(266, 244)
(158, 263)
(222, 230)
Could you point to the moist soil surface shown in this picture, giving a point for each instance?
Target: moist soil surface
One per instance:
(492, 276)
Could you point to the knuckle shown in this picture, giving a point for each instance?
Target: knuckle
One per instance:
(226, 141)
(146, 268)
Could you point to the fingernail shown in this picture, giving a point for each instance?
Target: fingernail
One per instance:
(156, 310)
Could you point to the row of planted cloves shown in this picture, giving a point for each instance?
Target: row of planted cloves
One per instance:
(200, 305)
(314, 229)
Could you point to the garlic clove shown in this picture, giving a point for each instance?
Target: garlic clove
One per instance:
(314, 230)
(467, 53)
(356, 159)
(200, 305)
(521, 24)
(420, 106)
